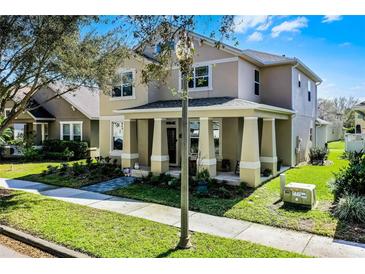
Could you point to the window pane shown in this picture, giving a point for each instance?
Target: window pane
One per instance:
(116, 92)
(201, 71)
(257, 88)
(66, 129)
(77, 138)
(127, 90)
(309, 96)
(216, 128)
(194, 137)
(117, 138)
(201, 82)
(66, 137)
(191, 83)
(127, 78)
(77, 129)
(257, 76)
(19, 131)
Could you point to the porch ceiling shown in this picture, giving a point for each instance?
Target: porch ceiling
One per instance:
(206, 107)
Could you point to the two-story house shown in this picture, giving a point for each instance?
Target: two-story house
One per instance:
(248, 110)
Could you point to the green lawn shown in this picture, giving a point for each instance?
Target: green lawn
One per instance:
(106, 234)
(263, 205)
(32, 172)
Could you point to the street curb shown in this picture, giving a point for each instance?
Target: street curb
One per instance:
(51, 248)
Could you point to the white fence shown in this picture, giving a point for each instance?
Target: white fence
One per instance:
(354, 142)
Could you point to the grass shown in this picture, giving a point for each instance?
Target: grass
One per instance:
(263, 205)
(32, 172)
(107, 234)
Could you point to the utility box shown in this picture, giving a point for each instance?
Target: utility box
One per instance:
(300, 194)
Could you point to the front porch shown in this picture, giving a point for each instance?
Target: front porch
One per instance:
(234, 143)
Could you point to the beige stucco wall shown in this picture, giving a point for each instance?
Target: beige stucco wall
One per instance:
(64, 111)
(284, 145)
(321, 135)
(246, 81)
(276, 86)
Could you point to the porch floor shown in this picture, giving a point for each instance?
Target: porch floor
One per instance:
(229, 177)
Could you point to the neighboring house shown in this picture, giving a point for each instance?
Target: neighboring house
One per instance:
(327, 132)
(71, 116)
(247, 107)
(359, 117)
(356, 142)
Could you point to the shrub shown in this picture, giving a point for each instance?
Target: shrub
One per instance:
(350, 180)
(317, 155)
(351, 208)
(78, 149)
(31, 153)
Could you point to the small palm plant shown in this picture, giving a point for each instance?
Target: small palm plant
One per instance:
(6, 134)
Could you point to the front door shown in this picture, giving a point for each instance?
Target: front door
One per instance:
(171, 144)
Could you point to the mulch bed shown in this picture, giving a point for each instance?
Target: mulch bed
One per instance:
(23, 248)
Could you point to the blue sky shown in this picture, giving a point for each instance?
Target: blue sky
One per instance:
(332, 46)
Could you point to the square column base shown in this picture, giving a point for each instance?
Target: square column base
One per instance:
(272, 166)
(269, 163)
(128, 160)
(250, 173)
(159, 164)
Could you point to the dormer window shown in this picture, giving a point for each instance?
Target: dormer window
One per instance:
(159, 46)
(257, 82)
(299, 81)
(126, 89)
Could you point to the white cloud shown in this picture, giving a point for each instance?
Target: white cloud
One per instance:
(246, 22)
(331, 18)
(290, 26)
(345, 44)
(255, 37)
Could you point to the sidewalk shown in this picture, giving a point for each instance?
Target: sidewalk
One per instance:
(290, 240)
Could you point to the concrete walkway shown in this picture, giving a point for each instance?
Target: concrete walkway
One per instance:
(110, 185)
(300, 242)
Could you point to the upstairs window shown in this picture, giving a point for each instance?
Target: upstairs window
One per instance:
(299, 80)
(309, 91)
(257, 82)
(126, 89)
(200, 78)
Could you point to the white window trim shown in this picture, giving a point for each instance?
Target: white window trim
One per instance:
(210, 79)
(71, 129)
(121, 97)
(5, 110)
(114, 152)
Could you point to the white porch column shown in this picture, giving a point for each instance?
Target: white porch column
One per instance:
(130, 148)
(207, 158)
(250, 153)
(268, 157)
(160, 156)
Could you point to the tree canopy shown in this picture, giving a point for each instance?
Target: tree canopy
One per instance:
(36, 51)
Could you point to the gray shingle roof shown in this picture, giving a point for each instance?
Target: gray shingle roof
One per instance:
(199, 102)
(265, 57)
(84, 99)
